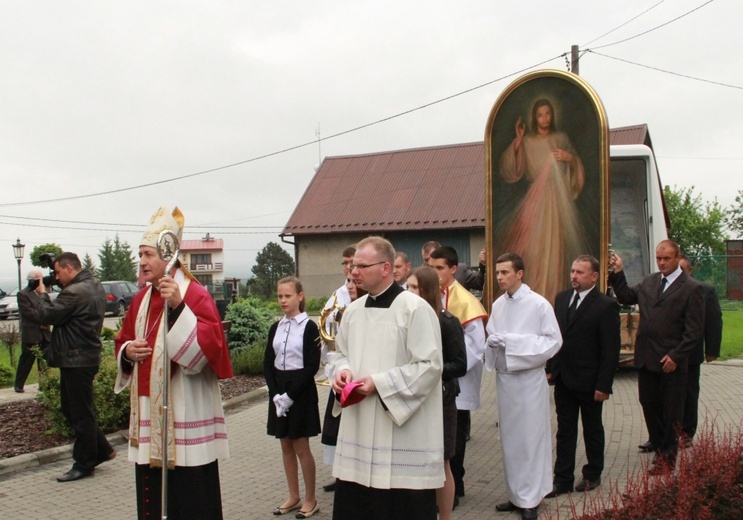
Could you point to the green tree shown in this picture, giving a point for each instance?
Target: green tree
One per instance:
(89, 264)
(734, 218)
(698, 227)
(272, 263)
(117, 261)
(37, 251)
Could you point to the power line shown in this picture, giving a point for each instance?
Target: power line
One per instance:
(138, 230)
(625, 23)
(666, 71)
(657, 27)
(60, 221)
(278, 152)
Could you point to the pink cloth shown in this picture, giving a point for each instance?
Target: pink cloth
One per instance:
(349, 395)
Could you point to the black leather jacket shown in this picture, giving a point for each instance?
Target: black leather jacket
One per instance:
(77, 317)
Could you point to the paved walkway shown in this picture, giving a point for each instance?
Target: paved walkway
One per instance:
(253, 479)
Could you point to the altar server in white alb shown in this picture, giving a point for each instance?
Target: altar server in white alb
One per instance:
(197, 348)
(522, 335)
(389, 458)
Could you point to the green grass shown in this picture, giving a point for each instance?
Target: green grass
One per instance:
(5, 360)
(33, 377)
(732, 334)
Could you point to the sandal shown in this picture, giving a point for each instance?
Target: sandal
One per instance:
(284, 510)
(307, 514)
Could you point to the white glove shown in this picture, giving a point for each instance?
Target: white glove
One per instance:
(497, 340)
(280, 412)
(286, 403)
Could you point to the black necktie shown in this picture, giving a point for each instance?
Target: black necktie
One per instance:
(663, 283)
(573, 306)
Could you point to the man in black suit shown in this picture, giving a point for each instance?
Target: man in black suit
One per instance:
(707, 348)
(583, 373)
(33, 333)
(671, 323)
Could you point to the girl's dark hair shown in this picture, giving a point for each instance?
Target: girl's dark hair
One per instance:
(428, 284)
(297, 287)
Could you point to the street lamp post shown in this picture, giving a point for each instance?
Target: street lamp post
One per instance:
(18, 253)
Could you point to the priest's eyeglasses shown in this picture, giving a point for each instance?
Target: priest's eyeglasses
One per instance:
(364, 266)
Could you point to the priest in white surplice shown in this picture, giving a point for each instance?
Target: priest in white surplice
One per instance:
(522, 335)
(389, 457)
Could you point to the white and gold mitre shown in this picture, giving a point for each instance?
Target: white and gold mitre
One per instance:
(163, 220)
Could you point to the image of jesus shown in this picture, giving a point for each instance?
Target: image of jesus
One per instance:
(544, 228)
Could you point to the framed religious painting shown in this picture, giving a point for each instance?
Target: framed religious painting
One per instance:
(547, 179)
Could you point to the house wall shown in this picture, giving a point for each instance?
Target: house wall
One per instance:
(208, 276)
(319, 260)
(318, 257)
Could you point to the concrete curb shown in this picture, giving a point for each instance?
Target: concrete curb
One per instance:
(32, 460)
(245, 399)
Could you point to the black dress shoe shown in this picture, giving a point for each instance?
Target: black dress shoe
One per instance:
(506, 506)
(106, 458)
(18, 390)
(76, 474)
(587, 485)
(530, 514)
(646, 447)
(558, 489)
(329, 488)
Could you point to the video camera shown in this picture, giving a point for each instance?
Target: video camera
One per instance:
(47, 260)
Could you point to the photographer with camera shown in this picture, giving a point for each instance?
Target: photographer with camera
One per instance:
(77, 317)
(33, 333)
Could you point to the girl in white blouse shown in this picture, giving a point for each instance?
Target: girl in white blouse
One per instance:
(291, 360)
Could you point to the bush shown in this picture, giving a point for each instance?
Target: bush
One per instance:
(108, 334)
(248, 360)
(706, 484)
(112, 410)
(7, 376)
(273, 306)
(312, 306)
(315, 305)
(251, 319)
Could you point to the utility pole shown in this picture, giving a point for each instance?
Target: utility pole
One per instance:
(319, 145)
(574, 57)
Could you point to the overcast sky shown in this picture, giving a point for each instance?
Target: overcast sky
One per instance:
(102, 96)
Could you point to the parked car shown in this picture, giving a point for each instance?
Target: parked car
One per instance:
(9, 302)
(119, 296)
(9, 305)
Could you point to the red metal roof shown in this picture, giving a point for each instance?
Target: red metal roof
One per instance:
(397, 190)
(636, 134)
(439, 187)
(214, 244)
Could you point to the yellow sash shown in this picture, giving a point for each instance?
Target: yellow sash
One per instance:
(461, 303)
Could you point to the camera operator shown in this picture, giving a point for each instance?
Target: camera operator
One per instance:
(77, 317)
(33, 333)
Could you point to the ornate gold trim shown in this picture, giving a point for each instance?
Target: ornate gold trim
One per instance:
(491, 288)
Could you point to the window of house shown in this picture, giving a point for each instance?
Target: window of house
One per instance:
(201, 259)
(203, 279)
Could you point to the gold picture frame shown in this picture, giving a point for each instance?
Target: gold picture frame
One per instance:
(547, 179)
